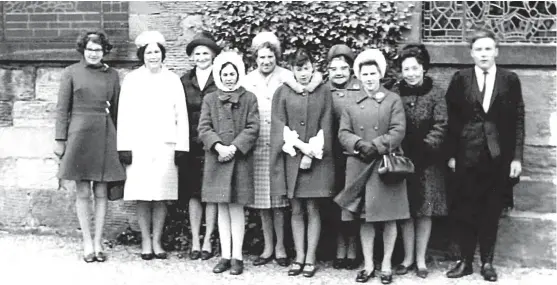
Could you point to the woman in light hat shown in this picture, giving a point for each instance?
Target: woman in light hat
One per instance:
(263, 82)
(86, 135)
(372, 127)
(153, 136)
(197, 83)
(228, 128)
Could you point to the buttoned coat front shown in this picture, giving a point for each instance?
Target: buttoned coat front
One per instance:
(383, 123)
(230, 123)
(306, 114)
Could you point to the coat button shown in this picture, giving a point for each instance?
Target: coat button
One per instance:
(412, 104)
(302, 123)
(376, 128)
(362, 128)
(362, 106)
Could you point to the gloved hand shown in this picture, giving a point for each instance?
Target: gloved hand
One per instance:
(180, 157)
(367, 150)
(125, 157)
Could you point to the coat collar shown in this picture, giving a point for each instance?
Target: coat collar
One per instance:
(378, 95)
(231, 96)
(193, 79)
(352, 84)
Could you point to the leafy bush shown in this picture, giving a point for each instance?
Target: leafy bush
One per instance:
(317, 26)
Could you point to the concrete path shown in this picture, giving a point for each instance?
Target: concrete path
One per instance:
(51, 259)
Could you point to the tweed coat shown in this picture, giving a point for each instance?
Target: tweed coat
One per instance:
(426, 130)
(305, 113)
(381, 122)
(86, 119)
(470, 128)
(234, 122)
(191, 174)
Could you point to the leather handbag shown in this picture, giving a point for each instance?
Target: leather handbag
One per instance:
(394, 168)
(115, 190)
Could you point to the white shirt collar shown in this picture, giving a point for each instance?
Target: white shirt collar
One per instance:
(202, 76)
(480, 72)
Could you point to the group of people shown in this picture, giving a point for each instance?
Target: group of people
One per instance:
(275, 137)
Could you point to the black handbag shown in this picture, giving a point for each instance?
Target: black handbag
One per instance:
(394, 168)
(115, 190)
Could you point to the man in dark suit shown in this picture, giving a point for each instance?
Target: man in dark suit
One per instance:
(485, 142)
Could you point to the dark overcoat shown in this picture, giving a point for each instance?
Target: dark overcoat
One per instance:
(381, 122)
(305, 113)
(191, 174)
(426, 129)
(86, 120)
(471, 129)
(230, 122)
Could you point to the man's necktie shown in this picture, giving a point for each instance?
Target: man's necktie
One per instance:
(483, 87)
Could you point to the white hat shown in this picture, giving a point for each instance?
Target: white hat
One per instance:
(234, 58)
(265, 37)
(148, 37)
(370, 55)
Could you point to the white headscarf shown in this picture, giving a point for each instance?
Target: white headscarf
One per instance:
(236, 60)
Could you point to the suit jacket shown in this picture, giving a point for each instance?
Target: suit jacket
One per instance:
(471, 128)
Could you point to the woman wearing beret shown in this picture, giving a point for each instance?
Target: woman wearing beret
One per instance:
(343, 85)
(426, 126)
(370, 128)
(197, 83)
(228, 128)
(153, 136)
(302, 163)
(86, 135)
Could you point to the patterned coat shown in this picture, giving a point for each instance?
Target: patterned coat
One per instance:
(426, 129)
(381, 122)
(306, 114)
(233, 122)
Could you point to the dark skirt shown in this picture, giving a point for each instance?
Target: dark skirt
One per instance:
(91, 150)
(190, 178)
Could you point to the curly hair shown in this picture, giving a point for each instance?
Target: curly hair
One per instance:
(96, 37)
(417, 51)
(271, 47)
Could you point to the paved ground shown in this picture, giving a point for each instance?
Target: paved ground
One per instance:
(51, 259)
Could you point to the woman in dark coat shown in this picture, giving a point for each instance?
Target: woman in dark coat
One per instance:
(228, 128)
(426, 127)
(372, 127)
(197, 83)
(303, 122)
(86, 134)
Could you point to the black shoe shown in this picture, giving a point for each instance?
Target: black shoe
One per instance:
(205, 255)
(162, 255)
(363, 276)
(386, 278)
(422, 273)
(488, 272)
(222, 266)
(100, 256)
(90, 257)
(195, 254)
(236, 267)
(462, 268)
(262, 260)
(147, 256)
(309, 270)
(282, 261)
(339, 263)
(401, 269)
(295, 269)
(351, 263)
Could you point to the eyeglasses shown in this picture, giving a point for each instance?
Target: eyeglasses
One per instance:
(94, 50)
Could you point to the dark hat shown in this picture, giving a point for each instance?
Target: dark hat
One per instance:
(202, 39)
(340, 49)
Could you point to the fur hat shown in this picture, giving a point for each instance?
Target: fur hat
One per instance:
(202, 39)
(340, 49)
(265, 37)
(234, 58)
(370, 55)
(148, 37)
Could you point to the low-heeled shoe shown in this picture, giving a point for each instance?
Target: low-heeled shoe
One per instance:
(402, 269)
(236, 267)
(352, 263)
(461, 269)
(222, 266)
(100, 256)
(386, 278)
(363, 276)
(295, 269)
(283, 261)
(147, 256)
(309, 272)
(162, 255)
(488, 272)
(339, 263)
(262, 260)
(206, 255)
(195, 254)
(89, 257)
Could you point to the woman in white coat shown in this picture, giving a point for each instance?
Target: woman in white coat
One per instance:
(152, 138)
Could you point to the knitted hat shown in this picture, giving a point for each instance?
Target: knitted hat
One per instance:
(340, 49)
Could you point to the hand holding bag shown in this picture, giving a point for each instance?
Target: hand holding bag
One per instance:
(394, 168)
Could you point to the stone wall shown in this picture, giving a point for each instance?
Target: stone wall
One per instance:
(31, 196)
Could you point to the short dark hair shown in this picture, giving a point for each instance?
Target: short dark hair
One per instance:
(417, 51)
(96, 37)
(369, 62)
(481, 33)
(141, 52)
(271, 47)
(300, 58)
(227, 64)
(344, 58)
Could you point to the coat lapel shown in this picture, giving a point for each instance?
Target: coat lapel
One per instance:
(496, 87)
